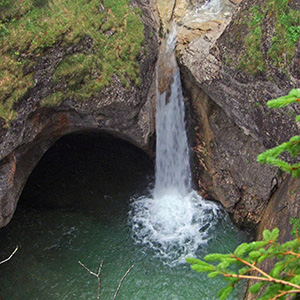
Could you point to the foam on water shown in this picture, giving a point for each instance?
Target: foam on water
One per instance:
(211, 10)
(175, 220)
(173, 225)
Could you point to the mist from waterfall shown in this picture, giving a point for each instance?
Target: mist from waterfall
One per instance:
(210, 10)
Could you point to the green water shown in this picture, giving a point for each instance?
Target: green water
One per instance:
(75, 207)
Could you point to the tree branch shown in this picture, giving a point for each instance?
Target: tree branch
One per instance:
(292, 253)
(119, 286)
(285, 293)
(96, 275)
(253, 266)
(7, 259)
(92, 273)
(271, 279)
(99, 279)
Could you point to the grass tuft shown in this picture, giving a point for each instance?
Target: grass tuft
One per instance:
(283, 45)
(29, 27)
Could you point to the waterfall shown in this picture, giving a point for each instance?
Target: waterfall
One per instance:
(175, 220)
(173, 173)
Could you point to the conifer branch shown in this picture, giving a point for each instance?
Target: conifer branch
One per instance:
(268, 279)
(283, 276)
(291, 253)
(252, 266)
(283, 293)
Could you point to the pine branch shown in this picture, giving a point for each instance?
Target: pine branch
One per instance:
(291, 253)
(283, 293)
(271, 279)
(292, 97)
(252, 266)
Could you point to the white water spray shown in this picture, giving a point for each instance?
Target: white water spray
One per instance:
(212, 10)
(175, 221)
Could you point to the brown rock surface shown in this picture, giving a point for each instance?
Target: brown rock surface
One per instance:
(127, 113)
(233, 122)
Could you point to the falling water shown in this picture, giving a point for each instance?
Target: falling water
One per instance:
(211, 10)
(173, 175)
(174, 221)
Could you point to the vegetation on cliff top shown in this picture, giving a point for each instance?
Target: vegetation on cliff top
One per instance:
(29, 27)
(273, 32)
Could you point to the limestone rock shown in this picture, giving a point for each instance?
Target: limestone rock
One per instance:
(180, 9)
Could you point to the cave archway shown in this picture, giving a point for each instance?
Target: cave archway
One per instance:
(87, 170)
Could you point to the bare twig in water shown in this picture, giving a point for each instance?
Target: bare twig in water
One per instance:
(99, 279)
(7, 259)
(96, 275)
(120, 283)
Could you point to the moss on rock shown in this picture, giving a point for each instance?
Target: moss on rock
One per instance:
(28, 28)
(267, 36)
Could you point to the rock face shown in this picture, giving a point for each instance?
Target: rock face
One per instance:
(283, 205)
(232, 122)
(125, 112)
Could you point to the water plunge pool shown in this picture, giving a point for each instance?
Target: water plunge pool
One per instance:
(75, 207)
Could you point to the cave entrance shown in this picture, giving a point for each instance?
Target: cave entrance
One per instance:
(88, 171)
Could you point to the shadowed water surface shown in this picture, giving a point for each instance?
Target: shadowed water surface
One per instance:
(75, 207)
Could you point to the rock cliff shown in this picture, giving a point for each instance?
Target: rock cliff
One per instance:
(229, 89)
(59, 99)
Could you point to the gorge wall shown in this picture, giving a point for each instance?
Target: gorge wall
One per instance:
(51, 108)
(229, 75)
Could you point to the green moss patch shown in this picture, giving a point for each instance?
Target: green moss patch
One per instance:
(286, 24)
(29, 27)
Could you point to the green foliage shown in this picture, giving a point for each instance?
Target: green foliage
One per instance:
(292, 97)
(296, 226)
(286, 34)
(53, 99)
(253, 59)
(271, 156)
(282, 281)
(29, 27)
